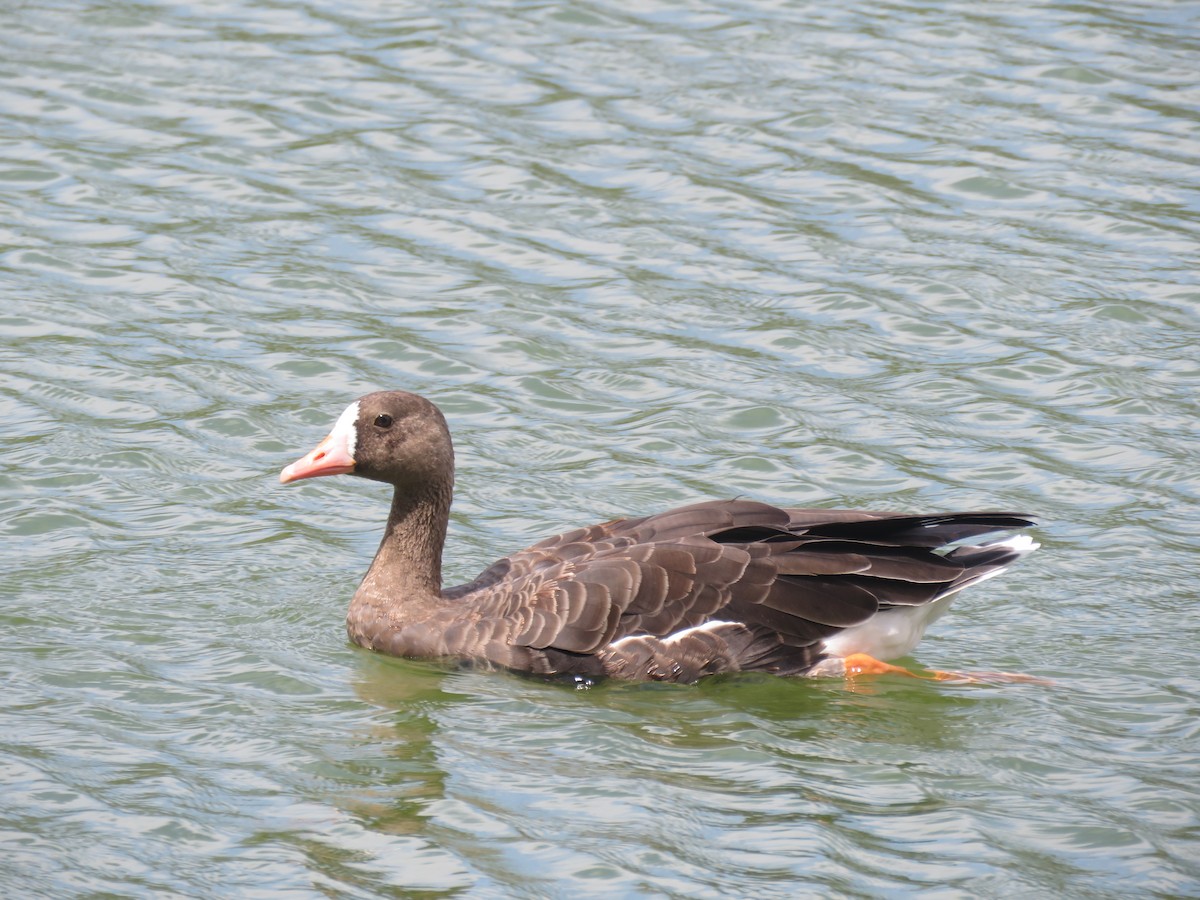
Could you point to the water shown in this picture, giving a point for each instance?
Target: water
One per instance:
(906, 256)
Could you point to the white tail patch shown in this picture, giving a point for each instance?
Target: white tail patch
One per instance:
(1018, 544)
(888, 634)
(894, 632)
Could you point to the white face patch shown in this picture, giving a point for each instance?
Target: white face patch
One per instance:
(346, 428)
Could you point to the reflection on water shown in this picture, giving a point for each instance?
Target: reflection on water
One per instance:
(915, 256)
(688, 770)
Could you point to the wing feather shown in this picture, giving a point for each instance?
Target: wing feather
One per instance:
(799, 575)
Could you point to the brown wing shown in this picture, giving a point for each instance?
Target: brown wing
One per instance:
(581, 590)
(836, 568)
(654, 589)
(800, 574)
(684, 522)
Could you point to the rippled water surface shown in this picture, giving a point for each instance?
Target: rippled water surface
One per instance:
(904, 255)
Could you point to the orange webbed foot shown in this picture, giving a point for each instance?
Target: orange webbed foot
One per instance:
(858, 664)
(864, 664)
(989, 678)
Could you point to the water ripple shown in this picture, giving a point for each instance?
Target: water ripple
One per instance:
(905, 256)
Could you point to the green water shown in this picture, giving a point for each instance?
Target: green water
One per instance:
(906, 256)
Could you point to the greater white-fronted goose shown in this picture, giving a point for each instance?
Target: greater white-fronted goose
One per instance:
(722, 586)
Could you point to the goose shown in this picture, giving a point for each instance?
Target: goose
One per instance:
(713, 587)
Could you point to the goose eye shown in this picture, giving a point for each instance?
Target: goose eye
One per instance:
(383, 421)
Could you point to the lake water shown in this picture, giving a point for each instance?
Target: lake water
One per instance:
(904, 255)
